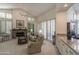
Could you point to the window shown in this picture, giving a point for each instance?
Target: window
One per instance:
(2, 15)
(48, 29)
(72, 27)
(74, 16)
(8, 26)
(42, 25)
(2, 27)
(52, 27)
(8, 16)
(77, 16)
(29, 19)
(44, 29)
(5, 22)
(31, 24)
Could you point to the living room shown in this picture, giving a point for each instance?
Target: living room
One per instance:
(39, 29)
(17, 23)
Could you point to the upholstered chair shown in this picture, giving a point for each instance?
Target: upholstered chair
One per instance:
(35, 47)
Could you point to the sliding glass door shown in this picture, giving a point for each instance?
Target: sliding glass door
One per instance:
(52, 28)
(44, 26)
(48, 29)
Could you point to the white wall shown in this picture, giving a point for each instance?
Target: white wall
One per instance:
(48, 15)
(61, 24)
(18, 15)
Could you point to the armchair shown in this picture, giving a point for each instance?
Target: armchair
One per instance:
(35, 47)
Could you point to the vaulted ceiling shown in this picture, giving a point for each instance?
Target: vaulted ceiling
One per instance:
(35, 9)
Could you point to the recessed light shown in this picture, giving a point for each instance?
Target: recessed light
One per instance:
(65, 5)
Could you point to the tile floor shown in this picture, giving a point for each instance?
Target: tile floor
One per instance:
(12, 48)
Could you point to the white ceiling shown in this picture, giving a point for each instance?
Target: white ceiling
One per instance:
(60, 6)
(38, 8)
(35, 9)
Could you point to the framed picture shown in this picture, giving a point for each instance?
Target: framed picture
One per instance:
(19, 23)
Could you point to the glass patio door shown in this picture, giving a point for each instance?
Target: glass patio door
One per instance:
(44, 29)
(52, 28)
(48, 29)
